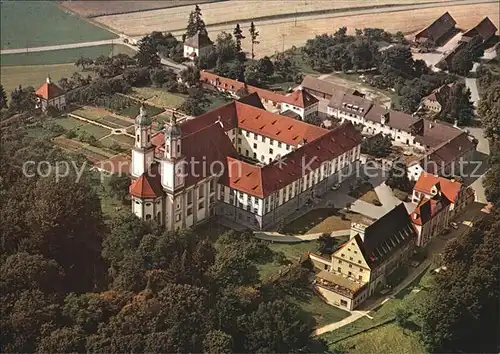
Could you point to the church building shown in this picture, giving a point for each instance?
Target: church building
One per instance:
(239, 162)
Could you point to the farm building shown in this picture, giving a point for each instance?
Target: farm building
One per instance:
(50, 95)
(436, 30)
(434, 101)
(486, 29)
(320, 88)
(196, 46)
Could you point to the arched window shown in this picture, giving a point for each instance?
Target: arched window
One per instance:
(158, 217)
(137, 137)
(148, 217)
(148, 204)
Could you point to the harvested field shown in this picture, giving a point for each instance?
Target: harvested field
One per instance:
(158, 97)
(237, 10)
(91, 8)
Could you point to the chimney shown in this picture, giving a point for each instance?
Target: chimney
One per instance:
(455, 123)
(48, 80)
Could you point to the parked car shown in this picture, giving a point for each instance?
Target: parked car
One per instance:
(454, 225)
(335, 186)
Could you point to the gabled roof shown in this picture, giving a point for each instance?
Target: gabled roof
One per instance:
(287, 130)
(347, 100)
(148, 185)
(49, 90)
(433, 134)
(447, 152)
(394, 119)
(428, 208)
(485, 29)
(438, 28)
(389, 233)
(450, 188)
(198, 41)
(300, 98)
(312, 83)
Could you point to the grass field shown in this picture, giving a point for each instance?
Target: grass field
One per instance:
(133, 111)
(69, 123)
(13, 76)
(42, 23)
(159, 97)
(388, 339)
(63, 56)
(322, 313)
(123, 140)
(91, 113)
(396, 340)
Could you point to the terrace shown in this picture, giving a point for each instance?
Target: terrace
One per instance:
(338, 284)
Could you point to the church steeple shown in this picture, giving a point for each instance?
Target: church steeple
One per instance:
(173, 163)
(143, 151)
(173, 135)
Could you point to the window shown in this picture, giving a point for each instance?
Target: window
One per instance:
(212, 185)
(342, 255)
(255, 136)
(359, 261)
(246, 152)
(349, 249)
(343, 303)
(279, 144)
(326, 266)
(201, 191)
(270, 151)
(361, 270)
(340, 261)
(239, 130)
(254, 145)
(247, 134)
(271, 142)
(190, 211)
(255, 155)
(355, 252)
(349, 273)
(233, 141)
(239, 140)
(360, 277)
(148, 204)
(178, 217)
(350, 265)
(287, 147)
(339, 270)
(200, 206)
(350, 258)
(263, 139)
(148, 216)
(190, 197)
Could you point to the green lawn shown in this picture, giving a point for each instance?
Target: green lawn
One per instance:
(216, 100)
(133, 110)
(159, 97)
(63, 56)
(91, 113)
(322, 313)
(13, 76)
(293, 251)
(42, 23)
(69, 123)
(124, 141)
(388, 339)
(410, 298)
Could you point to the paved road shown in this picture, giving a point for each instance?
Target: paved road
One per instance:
(167, 62)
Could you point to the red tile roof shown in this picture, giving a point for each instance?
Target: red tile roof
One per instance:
(49, 91)
(428, 208)
(300, 98)
(450, 189)
(148, 185)
(285, 129)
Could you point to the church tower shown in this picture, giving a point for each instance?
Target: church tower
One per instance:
(173, 163)
(143, 150)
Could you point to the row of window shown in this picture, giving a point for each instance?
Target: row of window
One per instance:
(263, 139)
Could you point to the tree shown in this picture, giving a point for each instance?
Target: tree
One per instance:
(253, 36)
(217, 342)
(22, 99)
(286, 67)
(191, 76)
(225, 47)
(118, 186)
(253, 76)
(238, 36)
(3, 98)
(398, 177)
(378, 146)
(63, 340)
(461, 312)
(489, 110)
(147, 56)
(265, 66)
(462, 63)
(274, 327)
(457, 105)
(84, 63)
(325, 244)
(196, 23)
(232, 69)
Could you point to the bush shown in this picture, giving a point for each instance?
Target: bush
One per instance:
(71, 134)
